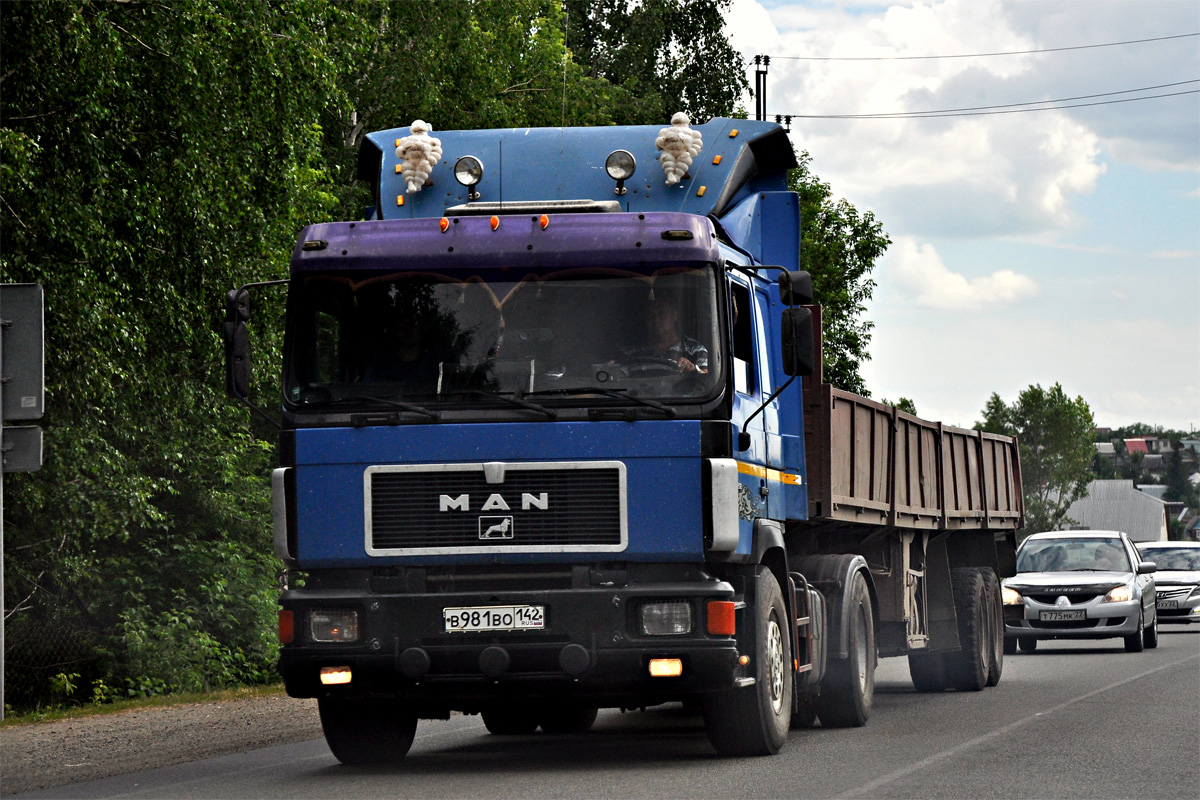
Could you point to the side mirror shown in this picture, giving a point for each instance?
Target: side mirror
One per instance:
(237, 344)
(1147, 567)
(797, 342)
(795, 288)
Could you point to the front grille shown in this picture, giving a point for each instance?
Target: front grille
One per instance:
(549, 507)
(1173, 592)
(1076, 599)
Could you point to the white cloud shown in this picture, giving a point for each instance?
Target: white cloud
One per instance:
(919, 269)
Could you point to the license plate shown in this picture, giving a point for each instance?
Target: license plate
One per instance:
(1167, 604)
(494, 618)
(1063, 616)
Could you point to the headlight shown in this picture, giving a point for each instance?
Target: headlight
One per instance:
(468, 170)
(1119, 594)
(1011, 597)
(620, 165)
(667, 619)
(333, 625)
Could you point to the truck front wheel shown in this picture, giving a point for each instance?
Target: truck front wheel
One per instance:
(367, 733)
(849, 684)
(754, 720)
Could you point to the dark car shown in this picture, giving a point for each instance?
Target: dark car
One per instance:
(1080, 585)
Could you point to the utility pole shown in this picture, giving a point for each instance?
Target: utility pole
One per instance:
(22, 397)
(760, 86)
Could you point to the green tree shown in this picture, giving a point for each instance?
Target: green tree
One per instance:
(839, 245)
(904, 404)
(1055, 437)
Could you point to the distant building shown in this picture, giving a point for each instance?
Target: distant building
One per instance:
(1190, 444)
(1107, 450)
(1118, 506)
(1155, 490)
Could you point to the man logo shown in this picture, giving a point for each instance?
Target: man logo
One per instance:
(495, 527)
(462, 502)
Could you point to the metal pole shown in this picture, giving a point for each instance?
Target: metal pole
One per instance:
(1, 518)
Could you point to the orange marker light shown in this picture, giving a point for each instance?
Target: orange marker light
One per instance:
(544, 221)
(399, 199)
(743, 660)
(733, 133)
(700, 192)
(716, 160)
(495, 223)
(721, 619)
(287, 627)
(444, 224)
(398, 168)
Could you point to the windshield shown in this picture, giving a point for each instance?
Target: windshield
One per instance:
(1069, 555)
(1177, 558)
(557, 333)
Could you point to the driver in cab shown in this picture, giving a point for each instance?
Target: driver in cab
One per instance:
(666, 343)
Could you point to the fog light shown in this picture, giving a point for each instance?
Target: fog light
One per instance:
(665, 668)
(331, 676)
(667, 619)
(333, 625)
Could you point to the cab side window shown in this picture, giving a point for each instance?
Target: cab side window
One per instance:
(744, 368)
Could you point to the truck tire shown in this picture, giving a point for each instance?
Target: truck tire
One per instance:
(568, 719)
(367, 733)
(967, 668)
(991, 589)
(928, 672)
(848, 687)
(754, 720)
(510, 719)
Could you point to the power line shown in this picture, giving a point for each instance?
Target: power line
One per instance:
(985, 55)
(1000, 109)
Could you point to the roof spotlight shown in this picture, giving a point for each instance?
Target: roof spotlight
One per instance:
(468, 171)
(620, 166)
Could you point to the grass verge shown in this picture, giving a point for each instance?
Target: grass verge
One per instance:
(90, 710)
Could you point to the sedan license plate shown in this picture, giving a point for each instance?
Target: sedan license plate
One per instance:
(1063, 616)
(1167, 605)
(472, 619)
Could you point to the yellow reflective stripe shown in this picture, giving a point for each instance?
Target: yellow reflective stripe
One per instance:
(769, 474)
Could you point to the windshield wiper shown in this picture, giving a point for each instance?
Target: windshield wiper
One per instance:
(515, 401)
(618, 393)
(387, 401)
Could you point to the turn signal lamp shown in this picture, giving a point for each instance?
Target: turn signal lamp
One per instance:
(721, 620)
(666, 667)
(333, 676)
(1011, 597)
(287, 627)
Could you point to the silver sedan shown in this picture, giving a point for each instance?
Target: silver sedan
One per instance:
(1080, 585)
(1177, 582)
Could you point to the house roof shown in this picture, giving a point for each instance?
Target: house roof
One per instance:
(1136, 446)
(1105, 448)
(1152, 461)
(1117, 505)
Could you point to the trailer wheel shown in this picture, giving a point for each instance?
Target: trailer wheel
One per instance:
(967, 668)
(510, 719)
(991, 589)
(568, 719)
(754, 720)
(849, 684)
(928, 672)
(362, 733)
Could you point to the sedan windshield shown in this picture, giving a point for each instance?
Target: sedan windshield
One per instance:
(560, 334)
(1176, 558)
(1069, 555)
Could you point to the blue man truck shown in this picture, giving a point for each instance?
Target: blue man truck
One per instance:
(556, 439)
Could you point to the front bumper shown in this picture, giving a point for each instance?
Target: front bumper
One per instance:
(1101, 620)
(1178, 604)
(591, 648)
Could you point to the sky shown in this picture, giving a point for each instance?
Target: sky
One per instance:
(1056, 246)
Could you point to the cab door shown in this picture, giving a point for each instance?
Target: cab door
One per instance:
(750, 387)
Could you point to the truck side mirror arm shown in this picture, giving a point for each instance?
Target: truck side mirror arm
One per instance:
(237, 346)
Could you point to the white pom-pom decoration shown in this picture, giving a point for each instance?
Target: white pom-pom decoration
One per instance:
(679, 145)
(418, 154)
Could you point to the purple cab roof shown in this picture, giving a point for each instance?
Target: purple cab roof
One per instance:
(569, 240)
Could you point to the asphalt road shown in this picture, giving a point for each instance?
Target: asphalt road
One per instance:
(1070, 720)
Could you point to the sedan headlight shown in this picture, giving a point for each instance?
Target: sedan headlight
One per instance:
(1011, 597)
(1119, 594)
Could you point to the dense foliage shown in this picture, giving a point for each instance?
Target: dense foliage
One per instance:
(1056, 450)
(153, 156)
